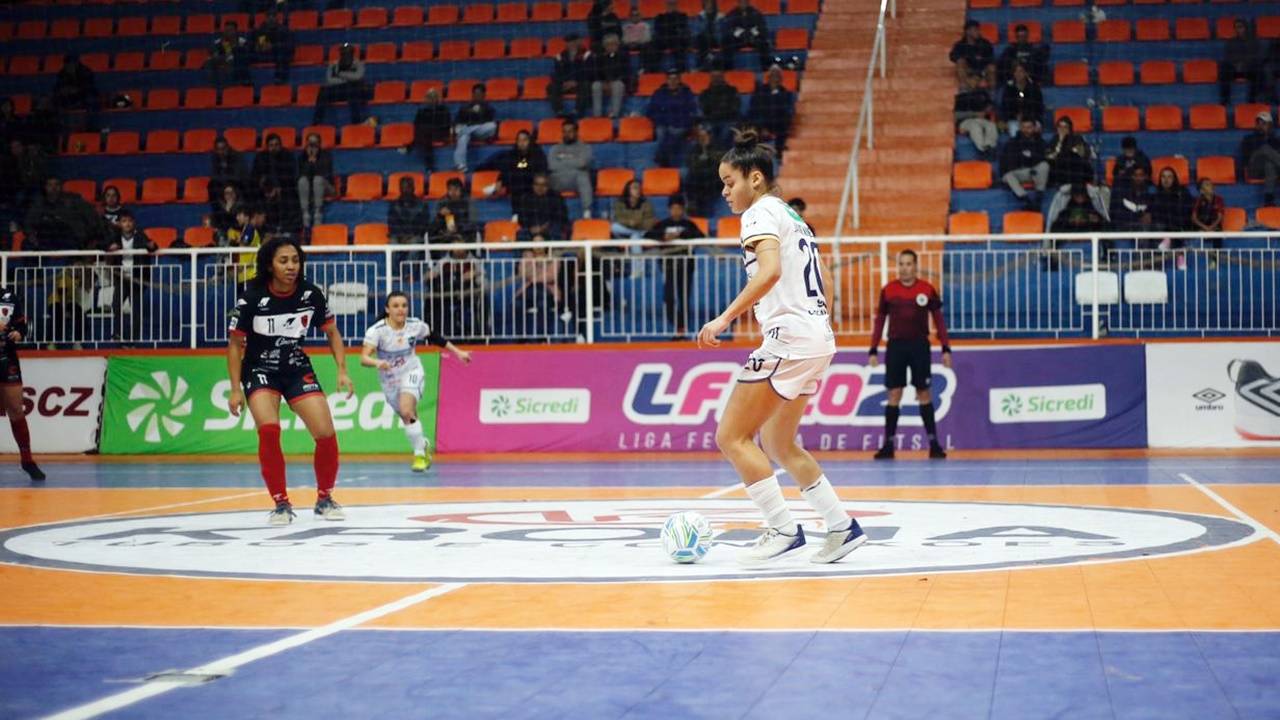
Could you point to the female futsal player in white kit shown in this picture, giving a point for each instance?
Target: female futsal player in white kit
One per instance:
(787, 286)
(391, 346)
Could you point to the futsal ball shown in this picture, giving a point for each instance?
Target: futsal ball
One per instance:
(686, 537)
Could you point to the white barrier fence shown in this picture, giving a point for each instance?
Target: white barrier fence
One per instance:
(993, 286)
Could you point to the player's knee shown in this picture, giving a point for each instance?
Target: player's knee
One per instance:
(895, 396)
(780, 450)
(729, 441)
(923, 396)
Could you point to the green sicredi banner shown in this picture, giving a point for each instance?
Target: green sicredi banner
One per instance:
(178, 405)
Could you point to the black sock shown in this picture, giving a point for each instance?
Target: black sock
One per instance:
(891, 414)
(930, 424)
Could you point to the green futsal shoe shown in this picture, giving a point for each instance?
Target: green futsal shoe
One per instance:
(421, 463)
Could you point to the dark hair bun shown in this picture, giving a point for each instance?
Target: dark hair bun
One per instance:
(745, 139)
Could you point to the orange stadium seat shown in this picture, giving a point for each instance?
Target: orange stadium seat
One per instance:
(1268, 27)
(408, 16)
(508, 129)
(195, 190)
(328, 134)
(459, 90)
(1081, 118)
(550, 131)
(502, 88)
(969, 223)
(276, 96)
(396, 135)
(302, 20)
(1164, 118)
(1119, 118)
(380, 52)
(371, 18)
(1023, 222)
(595, 130)
(1179, 164)
(164, 60)
(242, 20)
(439, 181)
(200, 98)
(200, 24)
(393, 183)
(123, 142)
(159, 191)
(477, 14)
(371, 234)
(1218, 168)
(1034, 30)
(443, 15)
(1115, 72)
(98, 62)
(363, 187)
(84, 143)
(481, 179)
(971, 175)
(535, 88)
(1151, 30)
(1109, 31)
(64, 29)
(1234, 219)
(287, 134)
(660, 182)
(1025, 3)
(308, 55)
(792, 39)
(489, 49)
(198, 237)
(796, 7)
(355, 137)
(454, 50)
(1195, 72)
(1158, 72)
(337, 19)
(389, 92)
(742, 80)
(32, 30)
(1196, 28)
(87, 189)
(165, 25)
(635, 129)
(513, 12)
(100, 27)
(163, 141)
(198, 140)
(525, 48)
(329, 234)
(1268, 217)
(500, 231)
(24, 65)
(240, 96)
(417, 51)
(1246, 114)
(649, 83)
(610, 181)
(418, 89)
(546, 12)
(1208, 117)
(729, 227)
(129, 62)
(244, 139)
(195, 58)
(590, 230)
(307, 95)
(128, 188)
(163, 237)
(1071, 74)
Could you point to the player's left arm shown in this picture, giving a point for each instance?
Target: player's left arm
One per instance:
(768, 271)
(935, 309)
(329, 324)
(17, 321)
(435, 338)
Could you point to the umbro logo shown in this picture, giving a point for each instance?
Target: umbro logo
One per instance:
(1208, 396)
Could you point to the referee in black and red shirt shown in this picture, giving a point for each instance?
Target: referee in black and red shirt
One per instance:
(908, 302)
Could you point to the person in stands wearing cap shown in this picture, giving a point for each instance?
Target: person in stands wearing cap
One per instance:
(973, 55)
(344, 81)
(1260, 155)
(1130, 159)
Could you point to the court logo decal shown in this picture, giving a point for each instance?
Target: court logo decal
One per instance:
(604, 541)
(164, 400)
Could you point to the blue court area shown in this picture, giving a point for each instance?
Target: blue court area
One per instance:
(598, 675)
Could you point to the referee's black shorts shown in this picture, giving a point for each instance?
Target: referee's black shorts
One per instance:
(901, 355)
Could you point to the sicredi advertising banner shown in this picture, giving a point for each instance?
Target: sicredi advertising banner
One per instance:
(1222, 395)
(671, 400)
(165, 404)
(63, 400)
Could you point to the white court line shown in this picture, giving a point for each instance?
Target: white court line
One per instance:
(1240, 514)
(153, 508)
(723, 491)
(230, 664)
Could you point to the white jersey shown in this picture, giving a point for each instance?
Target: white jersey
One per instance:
(397, 347)
(793, 316)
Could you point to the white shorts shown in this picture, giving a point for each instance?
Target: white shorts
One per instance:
(409, 383)
(789, 378)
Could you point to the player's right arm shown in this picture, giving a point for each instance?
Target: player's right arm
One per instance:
(369, 349)
(882, 311)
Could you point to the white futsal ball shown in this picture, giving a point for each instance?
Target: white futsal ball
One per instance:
(686, 537)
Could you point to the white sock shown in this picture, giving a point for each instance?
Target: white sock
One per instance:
(768, 497)
(823, 499)
(416, 438)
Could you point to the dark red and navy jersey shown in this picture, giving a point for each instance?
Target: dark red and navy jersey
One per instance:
(274, 326)
(12, 318)
(908, 308)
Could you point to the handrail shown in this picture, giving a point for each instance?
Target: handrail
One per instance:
(866, 121)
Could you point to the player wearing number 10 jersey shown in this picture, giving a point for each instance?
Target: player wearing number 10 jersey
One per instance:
(266, 362)
(787, 285)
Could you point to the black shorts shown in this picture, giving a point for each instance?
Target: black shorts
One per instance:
(10, 369)
(901, 355)
(292, 385)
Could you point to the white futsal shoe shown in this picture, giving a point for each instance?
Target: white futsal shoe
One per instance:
(329, 509)
(1257, 400)
(282, 515)
(772, 545)
(839, 543)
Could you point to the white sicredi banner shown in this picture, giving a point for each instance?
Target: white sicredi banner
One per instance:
(63, 398)
(1223, 395)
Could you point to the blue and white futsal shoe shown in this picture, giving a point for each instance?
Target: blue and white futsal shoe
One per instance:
(771, 546)
(839, 543)
(1257, 400)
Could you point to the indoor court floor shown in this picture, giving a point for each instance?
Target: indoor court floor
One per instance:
(1095, 587)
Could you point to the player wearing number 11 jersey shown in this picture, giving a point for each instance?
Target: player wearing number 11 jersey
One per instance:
(788, 288)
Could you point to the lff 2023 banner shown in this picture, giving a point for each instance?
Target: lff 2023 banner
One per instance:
(669, 400)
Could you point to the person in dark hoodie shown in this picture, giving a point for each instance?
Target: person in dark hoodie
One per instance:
(1023, 160)
(315, 180)
(60, 220)
(677, 264)
(1065, 155)
(1131, 205)
(602, 21)
(571, 76)
(671, 36)
(274, 164)
(673, 110)
(744, 27)
(1171, 206)
(431, 125)
(542, 212)
(1260, 155)
(226, 167)
(721, 107)
(1242, 57)
(1021, 98)
(612, 75)
(973, 55)
(1131, 158)
(1032, 56)
(516, 167)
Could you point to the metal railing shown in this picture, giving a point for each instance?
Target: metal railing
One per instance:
(866, 119)
(992, 286)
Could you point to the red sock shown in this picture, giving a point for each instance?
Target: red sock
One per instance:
(21, 435)
(271, 458)
(326, 464)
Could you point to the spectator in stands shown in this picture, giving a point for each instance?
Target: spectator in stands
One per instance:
(12, 191)
(611, 74)
(637, 37)
(1242, 57)
(273, 164)
(455, 218)
(516, 167)
(1171, 206)
(1068, 155)
(279, 208)
(26, 169)
(229, 57)
(249, 232)
(542, 212)
(673, 110)
(241, 227)
(1073, 169)
(226, 168)
(744, 27)
(130, 276)
(701, 182)
(707, 39)
(477, 119)
(272, 43)
(1207, 215)
(1270, 71)
(538, 298)
(671, 36)
(66, 317)
(1131, 204)
(1081, 213)
(223, 217)
(111, 208)
(569, 165)
(771, 109)
(1022, 97)
(454, 290)
(1131, 158)
(75, 87)
(601, 22)
(60, 220)
(44, 125)
(721, 107)
(1034, 57)
(315, 180)
(677, 264)
(973, 112)
(431, 125)
(12, 127)
(571, 76)
(633, 214)
(973, 55)
(1260, 155)
(344, 81)
(407, 215)
(1023, 161)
